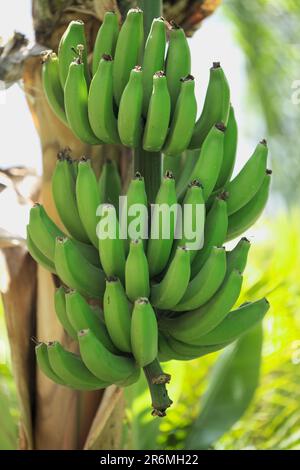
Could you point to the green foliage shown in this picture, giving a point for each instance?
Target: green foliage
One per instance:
(8, 402)
(268, 33)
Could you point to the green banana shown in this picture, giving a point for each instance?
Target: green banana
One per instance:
(101, 103)
(190, 326)
(81, 316)
(128, 50)
(208, 165)
(110, 185)
(76, 272)
(243, 219)
(70, 368)
(144, 332)
(189, 159)
(38, 256)
(178, 63)
(117, 314)
(52, 85)
(175, 164)
(193, 219)
(229, 154)
(136, 200)
(158, 116)
(183, 120)
(246, 184)
(42, 358)
(64, 195)
(187, 352)
(111, 246)
(160, 242)
(61, 312)
(137, 272)
(88, 198)
(237, 258)
(216, 106)
(43, 232)
(106, 39)
(215, 231)
(172, 287)
(130, 110)
(236, 323)
(72, 37)
(154, 57)
(102, 363)
(76, 103)
(206, 283)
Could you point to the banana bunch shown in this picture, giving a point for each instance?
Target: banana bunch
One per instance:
(132, 301)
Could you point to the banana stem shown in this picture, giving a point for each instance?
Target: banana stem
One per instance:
(149, 164)
(152, 9)
(157, 381)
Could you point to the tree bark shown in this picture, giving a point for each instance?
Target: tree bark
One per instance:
(53, 417)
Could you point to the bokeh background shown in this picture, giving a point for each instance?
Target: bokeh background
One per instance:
(258, 45)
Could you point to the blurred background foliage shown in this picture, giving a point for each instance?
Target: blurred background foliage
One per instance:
(268, 32)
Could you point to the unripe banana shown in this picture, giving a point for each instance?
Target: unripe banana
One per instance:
(101, 103)
(82, 316)
(206, 283)
(88, 199)
(172, 287)
(110, 185)
(144, 332)
(43, 231)
(102, 363)
(237, 323)
(158, 116)
(76, 272)
(38, 256)
(137, 272)
(175, 164)
(209, 163)
(229, 154)
(183, 120)
(76, 104)
(61, 312)
(111, 246)
(178, 62)
(128, 50)
(246, 184)
(52, 85)
(136, 201)
(106, 39)
(73, 36)
(160, 243)
(117, 314)
(196, 323)
(186, 352)
(41, 353)
(216, 106)
(154, 57)
(189, 159)
(215, 231)
(243, 219)
(237, 258)
(193, 219)
(64, 195)
(130, 111)
(70, 368)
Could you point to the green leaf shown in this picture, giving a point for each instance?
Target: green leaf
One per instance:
(233, 381)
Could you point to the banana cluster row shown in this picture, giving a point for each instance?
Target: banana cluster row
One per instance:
(158, 299)
(151, 105)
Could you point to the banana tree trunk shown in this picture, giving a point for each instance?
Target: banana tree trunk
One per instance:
(53, 417)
